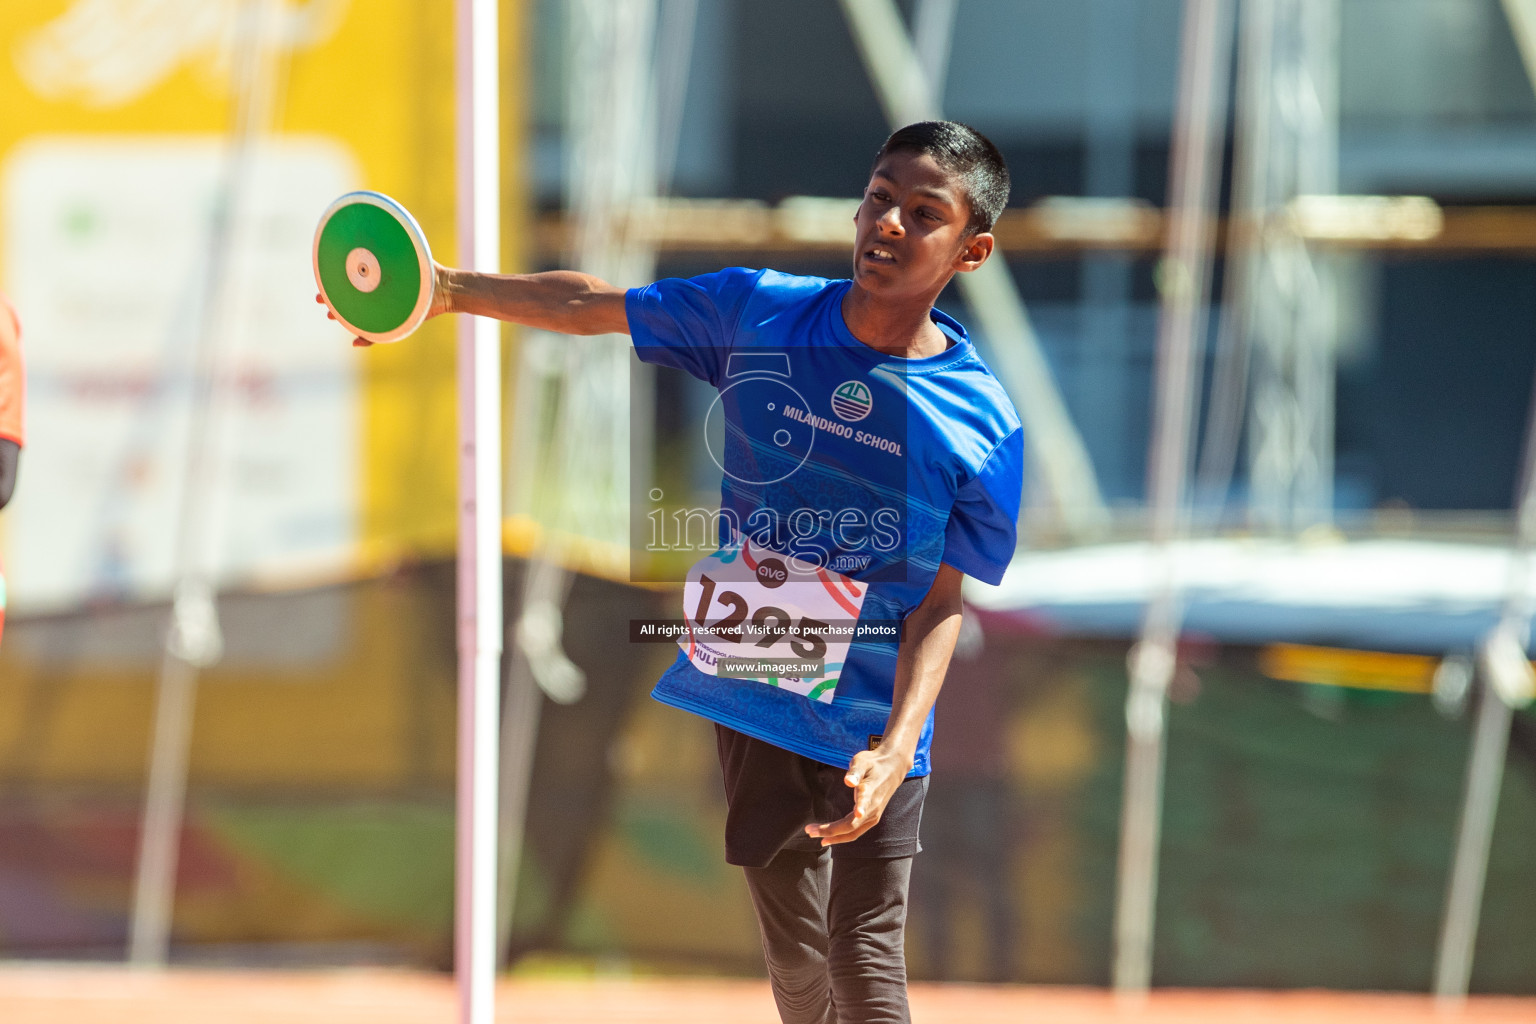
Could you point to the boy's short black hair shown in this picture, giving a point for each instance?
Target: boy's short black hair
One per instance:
(964, 151)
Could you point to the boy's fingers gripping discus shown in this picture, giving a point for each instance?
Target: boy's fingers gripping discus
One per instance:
(373, 266)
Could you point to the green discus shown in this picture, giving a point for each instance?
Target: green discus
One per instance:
(373, 266)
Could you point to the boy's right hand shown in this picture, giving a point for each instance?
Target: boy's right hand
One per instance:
(356, 342)
(439, 304)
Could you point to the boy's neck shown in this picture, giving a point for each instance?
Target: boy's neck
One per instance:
(904, 329)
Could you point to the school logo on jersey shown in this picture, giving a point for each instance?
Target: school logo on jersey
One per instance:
(852, 401)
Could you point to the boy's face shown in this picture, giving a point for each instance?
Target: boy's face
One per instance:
(912, 229)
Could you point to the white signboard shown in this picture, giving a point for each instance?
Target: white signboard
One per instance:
(107, 257)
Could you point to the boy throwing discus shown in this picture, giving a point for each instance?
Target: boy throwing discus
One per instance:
(870, 462)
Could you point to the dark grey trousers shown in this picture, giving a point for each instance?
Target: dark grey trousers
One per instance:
(833, 936)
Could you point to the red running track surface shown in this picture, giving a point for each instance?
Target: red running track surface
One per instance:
(49, 994)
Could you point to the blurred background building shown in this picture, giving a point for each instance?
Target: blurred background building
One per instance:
(162, 166)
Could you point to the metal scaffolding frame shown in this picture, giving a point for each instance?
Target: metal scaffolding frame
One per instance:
(1279, 324)
(1277, 340)
(1286, 289)
(1279, 333)
(1504, 666)
(899, 74)
(573, 437)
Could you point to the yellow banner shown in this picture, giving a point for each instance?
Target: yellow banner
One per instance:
(1360, 670)
(114, 162)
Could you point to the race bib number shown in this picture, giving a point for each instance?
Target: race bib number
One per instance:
(752, 613)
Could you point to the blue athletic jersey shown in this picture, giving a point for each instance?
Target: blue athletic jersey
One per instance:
(874, 466)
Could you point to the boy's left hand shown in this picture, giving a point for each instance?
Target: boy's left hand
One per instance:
(874, 776)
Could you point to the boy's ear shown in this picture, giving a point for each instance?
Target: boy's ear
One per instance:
(974, 251)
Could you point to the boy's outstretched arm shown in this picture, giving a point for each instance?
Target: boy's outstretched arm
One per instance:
(563, 301)
(928, 640)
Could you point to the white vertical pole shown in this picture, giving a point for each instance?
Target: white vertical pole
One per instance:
(193, 640)
(1474, 839)
(1193, 185)
(1508, 683)
(479, 564)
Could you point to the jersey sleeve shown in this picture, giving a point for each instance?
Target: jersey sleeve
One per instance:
(690, 323)
(12, 376)
(984, 523)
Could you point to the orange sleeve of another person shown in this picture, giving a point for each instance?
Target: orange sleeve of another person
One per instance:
(13, 381)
